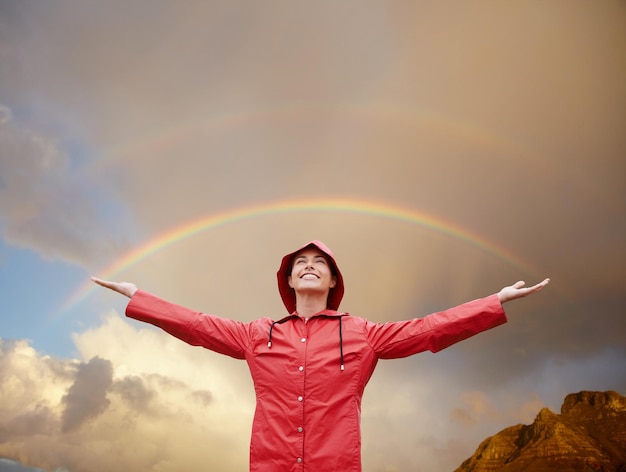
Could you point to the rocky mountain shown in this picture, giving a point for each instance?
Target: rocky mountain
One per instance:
(588, 436)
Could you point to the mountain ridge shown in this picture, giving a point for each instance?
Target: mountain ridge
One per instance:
(588, 435)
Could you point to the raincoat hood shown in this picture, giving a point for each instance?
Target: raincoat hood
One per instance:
(288, 294)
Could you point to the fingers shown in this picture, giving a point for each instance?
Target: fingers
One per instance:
(125, 288)
(541, 284)
(518, 290)
(534, 288)
(103, 283)
(97, 280)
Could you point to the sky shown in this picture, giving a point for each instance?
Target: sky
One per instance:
(442, 150)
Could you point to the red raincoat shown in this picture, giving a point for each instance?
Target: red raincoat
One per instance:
(308, 409)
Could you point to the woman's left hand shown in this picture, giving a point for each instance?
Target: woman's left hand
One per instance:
(517, 290)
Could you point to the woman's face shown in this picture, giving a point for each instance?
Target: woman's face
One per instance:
(311, 271)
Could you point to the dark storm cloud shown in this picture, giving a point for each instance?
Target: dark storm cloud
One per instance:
(568, 332)
(141, 393)
(87, 397)
(134, 392)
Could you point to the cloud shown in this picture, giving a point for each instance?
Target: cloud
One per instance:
(477, 405)
(12, 466)
(135, 393)
(33, 386)
(46, 202)
(39, 420)
(101, 415)
(86, 398)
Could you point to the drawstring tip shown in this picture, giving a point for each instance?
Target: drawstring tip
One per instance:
(269, 344)
(342, 367)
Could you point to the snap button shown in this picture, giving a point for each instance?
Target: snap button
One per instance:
(299, 399)
(303, 340)
(301, 368)
(300, 429)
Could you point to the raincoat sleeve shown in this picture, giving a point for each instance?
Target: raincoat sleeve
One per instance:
(198, 329)
(436, 331)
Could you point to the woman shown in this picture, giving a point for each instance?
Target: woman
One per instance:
(310, 368)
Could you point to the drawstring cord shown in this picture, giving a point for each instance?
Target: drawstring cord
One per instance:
(341, 342)
(269, 339)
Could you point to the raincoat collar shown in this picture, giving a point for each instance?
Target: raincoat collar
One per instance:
(332, 314)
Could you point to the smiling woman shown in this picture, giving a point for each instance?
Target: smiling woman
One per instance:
(321, 359)
(337, 205)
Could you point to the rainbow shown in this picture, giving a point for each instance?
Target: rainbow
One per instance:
(342, 205)
(226, 122)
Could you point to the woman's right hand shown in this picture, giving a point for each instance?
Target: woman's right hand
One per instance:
(125, 288)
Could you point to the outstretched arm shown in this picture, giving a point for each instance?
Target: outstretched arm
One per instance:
(125, 288)
(517, 290)
(198, 329)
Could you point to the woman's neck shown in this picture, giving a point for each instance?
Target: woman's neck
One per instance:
(308, 305)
